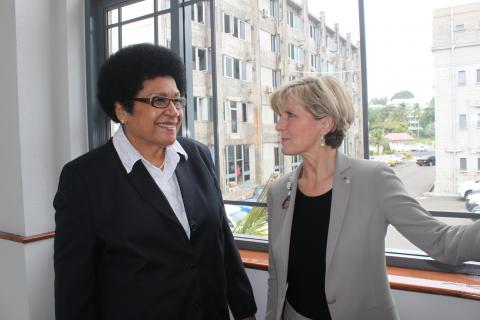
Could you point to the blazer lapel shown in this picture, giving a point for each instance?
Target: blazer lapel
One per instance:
(149, 191)
(284, 237)
(342, 185)
(187, 187)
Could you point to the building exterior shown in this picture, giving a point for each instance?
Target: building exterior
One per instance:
(259, 46)
(456, 52)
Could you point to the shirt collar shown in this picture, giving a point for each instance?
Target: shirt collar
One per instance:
(129, 155)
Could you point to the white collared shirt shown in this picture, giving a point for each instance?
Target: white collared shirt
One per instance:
(165, 179)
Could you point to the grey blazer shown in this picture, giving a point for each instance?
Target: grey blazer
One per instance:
(367, 197)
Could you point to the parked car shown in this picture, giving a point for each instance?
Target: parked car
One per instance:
(467, 187)
(472, 201)
(234, 215)
(426, 161)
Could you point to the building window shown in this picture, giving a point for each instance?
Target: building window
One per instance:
(331, 44)
(235, 26)
(274, 8)
(315, 61)
(478, 75)
(296, 160)
(238, 164)
(463, 164)
(233, 116)
(478, 120)
(461, 78)
(202, 108)
(314, 32)
(235, 68)
(275, 43)
(276, 155)
(276, 78)
(244, 112)
(293, 20)
(462, 121)
(198, 12)
(478, 164)
(295, 53)
(246, 162)
(201, 59)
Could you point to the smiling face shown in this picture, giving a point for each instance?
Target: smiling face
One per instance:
(300, 131)
(148, 128)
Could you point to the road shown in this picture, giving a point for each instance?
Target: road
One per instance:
(417, 180)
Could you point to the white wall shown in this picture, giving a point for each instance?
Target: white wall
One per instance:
(43, 125)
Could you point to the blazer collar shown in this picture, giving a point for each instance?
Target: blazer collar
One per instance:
(342, 185)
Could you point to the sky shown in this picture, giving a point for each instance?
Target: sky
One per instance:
(399, 40)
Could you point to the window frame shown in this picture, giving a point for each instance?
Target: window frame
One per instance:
(181, 19)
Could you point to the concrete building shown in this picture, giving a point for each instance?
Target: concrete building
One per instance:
(456, 53)
(261, 45)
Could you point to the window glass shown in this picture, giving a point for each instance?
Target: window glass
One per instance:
(137, 9)
(421, 107)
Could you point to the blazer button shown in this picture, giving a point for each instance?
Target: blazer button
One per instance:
(193, 227)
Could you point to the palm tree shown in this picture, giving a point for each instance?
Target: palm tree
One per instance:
(255, 223)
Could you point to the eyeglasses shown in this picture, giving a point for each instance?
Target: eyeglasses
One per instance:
(163, 102)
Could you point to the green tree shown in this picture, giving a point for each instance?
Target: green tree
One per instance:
(379, 101)
(427, 121)
(404, 94)
(377, 138)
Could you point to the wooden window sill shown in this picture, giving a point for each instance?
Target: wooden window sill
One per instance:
(442, 283)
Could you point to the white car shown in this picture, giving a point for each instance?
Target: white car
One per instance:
(234, 214)
(467, 187)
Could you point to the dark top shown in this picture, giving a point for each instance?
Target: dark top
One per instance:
(306, 263)
(120, 252)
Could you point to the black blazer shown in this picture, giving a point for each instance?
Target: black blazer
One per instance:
(121, 253)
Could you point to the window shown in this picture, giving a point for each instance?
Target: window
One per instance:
(463, 164)
(201, 60)
(233, 117)
(462, 121)
(461, 78)
(314, 32)
(293, 20)
(235, 26)
(198, 12)
(274, 8)
(275, 43)
(315, 61)
(276, 78)
(202, 108)
(478, 164)
(238, 165)
(295, 53)
(238, 172)
(235, 68)
(277, 156)
(478, 120)
(244, 112)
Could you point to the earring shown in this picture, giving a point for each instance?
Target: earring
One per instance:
(322, 141)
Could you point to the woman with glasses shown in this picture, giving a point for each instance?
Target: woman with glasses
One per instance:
(141, 231)
(329, 217)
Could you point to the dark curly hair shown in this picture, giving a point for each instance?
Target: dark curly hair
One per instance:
(123, 73)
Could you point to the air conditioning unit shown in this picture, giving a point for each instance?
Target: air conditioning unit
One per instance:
(268, 89)
(265, 13)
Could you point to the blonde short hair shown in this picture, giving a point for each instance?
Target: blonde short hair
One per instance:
(321, 96)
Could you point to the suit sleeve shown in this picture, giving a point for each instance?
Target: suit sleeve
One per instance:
(272, 298)
(239, 291)
(74, 250)
(443, 242)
